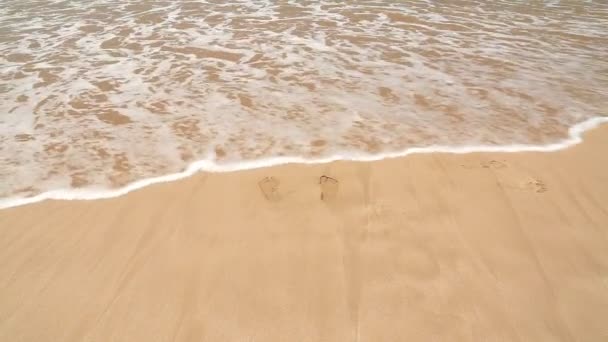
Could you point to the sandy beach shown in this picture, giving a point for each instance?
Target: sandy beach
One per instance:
(433, 247)
(122, 217)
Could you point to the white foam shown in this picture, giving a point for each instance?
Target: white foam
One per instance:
(575, 136)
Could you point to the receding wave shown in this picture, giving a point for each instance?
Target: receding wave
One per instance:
(101, 97)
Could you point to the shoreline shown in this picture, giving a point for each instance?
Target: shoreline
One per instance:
(575, 137)
(444, 247)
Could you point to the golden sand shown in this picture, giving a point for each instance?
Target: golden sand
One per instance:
(435, 247)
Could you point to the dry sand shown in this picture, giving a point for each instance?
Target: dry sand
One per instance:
(436, 247)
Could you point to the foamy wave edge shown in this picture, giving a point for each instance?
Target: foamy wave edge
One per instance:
(575, 134)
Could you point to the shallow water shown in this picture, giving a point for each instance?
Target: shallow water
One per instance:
(99, 94)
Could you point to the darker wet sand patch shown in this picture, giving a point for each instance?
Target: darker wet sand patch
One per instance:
(257, 57)
(122, 170)
(106, 85)
(112, 43)
(387, 94)
(184, 25)
(90, 28)
(113, 117)
(220, 152)
(310, 86)
(79, 104)
(24, 137)
(245, 100)
(150, 18)
(19, 75)
(100, 152)
(402, 18)
(134, 46)
(19, 57)
(55, 148)
(318, 143)
(158, 107)
(187, 128)
(34, 45)
(121, 163)
(78, 180)
(289, 11)
(205, 53)
(47, 77)
(139, 7)
(421, 100)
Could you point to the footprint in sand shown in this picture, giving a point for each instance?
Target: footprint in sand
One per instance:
(270, 188)
(528, 184)
(536, 185)
(493, 164)
(329, 188)
(490, 164)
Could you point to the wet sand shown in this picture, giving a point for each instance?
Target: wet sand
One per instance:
(436, 247)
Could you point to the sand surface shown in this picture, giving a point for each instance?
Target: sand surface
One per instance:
(436, 247)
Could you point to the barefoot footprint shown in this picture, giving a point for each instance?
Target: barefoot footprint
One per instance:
(270, 188)
(490, 164)
(536, 185)
(329, 188)
(493, 164)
